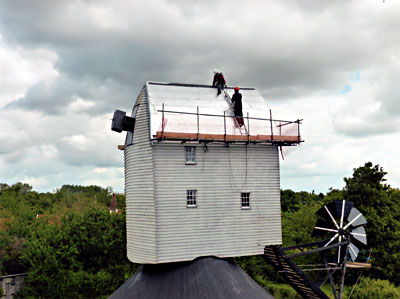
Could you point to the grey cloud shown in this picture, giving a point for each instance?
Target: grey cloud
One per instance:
(366, 128)
(73, 139)
(311, 6)
(389, 95)
(40, 97)
(109, 66)
(89, 157)
(107, 50)
(159, 49)
(54, 99)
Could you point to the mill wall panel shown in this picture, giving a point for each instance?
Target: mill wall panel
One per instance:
(139, 190)
(218, 225)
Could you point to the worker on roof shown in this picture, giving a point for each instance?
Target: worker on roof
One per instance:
(237, 106)
(219, 81)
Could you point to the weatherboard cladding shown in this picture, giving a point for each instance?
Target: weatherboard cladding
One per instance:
(139, 190)
(160, 228)
(218, 225)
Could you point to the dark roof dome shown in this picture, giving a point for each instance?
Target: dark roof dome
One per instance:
(206, 277)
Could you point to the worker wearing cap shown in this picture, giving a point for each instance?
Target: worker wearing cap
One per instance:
(219, 81)
(237, 106)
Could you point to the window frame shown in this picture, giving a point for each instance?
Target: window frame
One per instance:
(245, 200)
(190, 154)
(191, 198)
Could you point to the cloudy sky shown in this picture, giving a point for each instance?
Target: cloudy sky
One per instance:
(65, 66)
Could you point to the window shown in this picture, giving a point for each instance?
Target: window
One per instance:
(190, 153)
(245, 198)
(191, 198)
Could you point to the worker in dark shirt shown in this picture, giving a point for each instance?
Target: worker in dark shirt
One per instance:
(237, 106)
(219, 81)
(216, 74)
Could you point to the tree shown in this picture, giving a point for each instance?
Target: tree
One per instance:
(292, 201)
(99, 194)
(366, 186)
(83, 257)
(380, 205)
(19, 207)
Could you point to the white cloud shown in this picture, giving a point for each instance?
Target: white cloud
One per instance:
(48, 151)
(79, 142)
(80, 105)
(35, 182)
(21, 68)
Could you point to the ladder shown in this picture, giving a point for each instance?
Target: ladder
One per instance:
(292, 274)
(242, 129)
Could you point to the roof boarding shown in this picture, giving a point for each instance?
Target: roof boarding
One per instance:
(197, 109)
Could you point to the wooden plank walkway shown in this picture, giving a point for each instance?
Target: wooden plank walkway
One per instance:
(221, 137)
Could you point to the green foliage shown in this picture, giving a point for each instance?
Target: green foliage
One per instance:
(282, 291)
(99, 194)
(327, 289)
(292, 201)
(265, 275)
(16, 216)
(11, 248)
(84, 257)
(298, 226)
(372, 289)
(257, 268)
(366, 186)
(380, 205)
(75, 249)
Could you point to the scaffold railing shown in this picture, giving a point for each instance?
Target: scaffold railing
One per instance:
(178, 125)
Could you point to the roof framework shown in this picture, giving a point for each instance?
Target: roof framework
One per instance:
(189, 112)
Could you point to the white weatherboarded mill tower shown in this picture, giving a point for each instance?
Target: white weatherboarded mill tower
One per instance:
(196, 184)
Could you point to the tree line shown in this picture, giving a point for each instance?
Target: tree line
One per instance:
(67, 241)
(72, 246)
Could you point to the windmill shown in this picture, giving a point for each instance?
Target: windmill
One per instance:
(341, 221)
(341, 228)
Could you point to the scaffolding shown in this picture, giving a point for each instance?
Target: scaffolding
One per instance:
(203, 127)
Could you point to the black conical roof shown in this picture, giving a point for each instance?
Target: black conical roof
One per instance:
(206, 277)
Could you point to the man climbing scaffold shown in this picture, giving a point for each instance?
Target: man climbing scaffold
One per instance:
(235, 105)
(219, 81)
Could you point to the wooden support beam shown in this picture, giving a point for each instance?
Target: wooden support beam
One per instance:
(319, 249)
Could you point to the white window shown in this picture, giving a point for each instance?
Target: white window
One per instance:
(190, 153)
(245, 199)
(191, 198)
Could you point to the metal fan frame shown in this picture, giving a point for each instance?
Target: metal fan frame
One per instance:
(341, 230)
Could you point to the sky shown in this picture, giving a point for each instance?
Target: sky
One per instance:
(65, 66)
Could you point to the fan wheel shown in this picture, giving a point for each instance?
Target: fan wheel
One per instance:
(340, 221)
